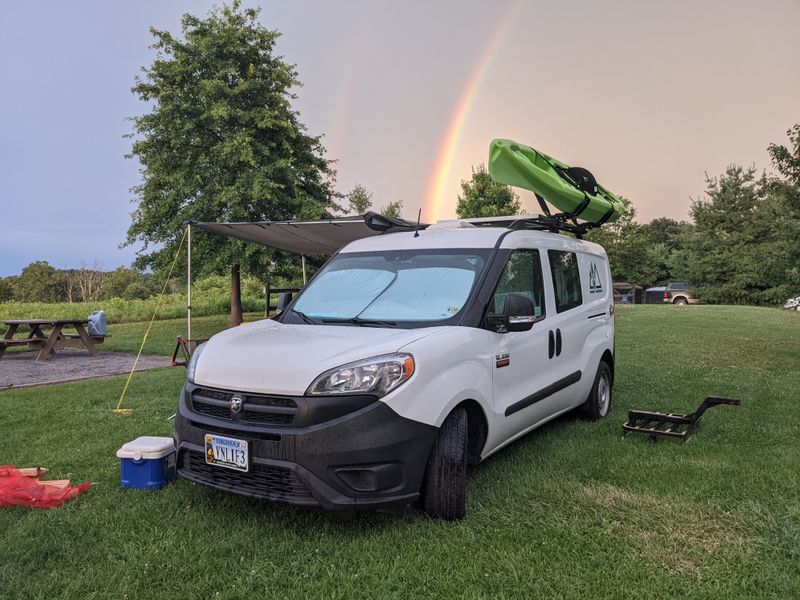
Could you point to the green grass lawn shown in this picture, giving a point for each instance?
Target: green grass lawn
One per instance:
(127, 337)
(573, 510)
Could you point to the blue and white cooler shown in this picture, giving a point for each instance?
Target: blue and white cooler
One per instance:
(148, 462)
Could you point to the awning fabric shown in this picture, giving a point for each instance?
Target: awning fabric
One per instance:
(308, 237)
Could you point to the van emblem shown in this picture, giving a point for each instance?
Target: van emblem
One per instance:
(236, 405)
(595, 287)
(502, 360)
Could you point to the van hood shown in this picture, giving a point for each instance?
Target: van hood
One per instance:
(276, 358)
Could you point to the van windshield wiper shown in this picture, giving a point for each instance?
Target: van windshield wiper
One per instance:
(362, 322)
(304, 316)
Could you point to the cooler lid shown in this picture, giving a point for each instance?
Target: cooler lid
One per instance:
(147, 447)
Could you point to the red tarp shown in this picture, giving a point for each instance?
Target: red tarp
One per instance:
(19, 490)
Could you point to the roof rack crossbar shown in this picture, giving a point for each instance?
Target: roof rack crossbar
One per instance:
(562, 222)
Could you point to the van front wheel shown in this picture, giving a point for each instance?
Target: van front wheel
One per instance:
(444, 493)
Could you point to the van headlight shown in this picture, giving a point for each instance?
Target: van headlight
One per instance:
(192, 366)
(378, 375)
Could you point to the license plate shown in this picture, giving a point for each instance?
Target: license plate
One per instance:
(226, 452)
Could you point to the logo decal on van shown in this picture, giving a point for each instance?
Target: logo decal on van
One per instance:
(595, 287)
(502, 360)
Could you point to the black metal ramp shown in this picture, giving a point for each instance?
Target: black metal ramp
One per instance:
(656, 424)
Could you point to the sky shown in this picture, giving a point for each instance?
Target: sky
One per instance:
(650, 96)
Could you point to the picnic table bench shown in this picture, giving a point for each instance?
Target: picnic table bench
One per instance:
(48, 343)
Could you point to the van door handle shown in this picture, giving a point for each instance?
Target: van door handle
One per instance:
(551, 344)
(558, 342)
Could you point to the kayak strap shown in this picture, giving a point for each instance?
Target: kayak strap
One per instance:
(579, 178)
(582, 206)
(605, 217)
(543, 204)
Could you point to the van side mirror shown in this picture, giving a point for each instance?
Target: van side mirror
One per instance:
(283, 301)
(519, 313)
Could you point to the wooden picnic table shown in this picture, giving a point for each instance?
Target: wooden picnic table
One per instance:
(48, 343)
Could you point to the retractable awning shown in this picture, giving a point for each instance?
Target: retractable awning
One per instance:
(308, 237)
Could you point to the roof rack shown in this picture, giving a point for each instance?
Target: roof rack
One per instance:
(554, 223)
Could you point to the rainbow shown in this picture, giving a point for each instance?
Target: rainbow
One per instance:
(432, 206)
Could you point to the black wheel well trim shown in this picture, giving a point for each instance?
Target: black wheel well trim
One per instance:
(608, 358)
(477, 429)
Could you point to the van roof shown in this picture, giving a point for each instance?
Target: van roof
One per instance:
(462, 234)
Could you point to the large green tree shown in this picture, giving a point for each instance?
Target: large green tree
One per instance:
(744, 245)
(482, 196)
(221, 141)
(784, 190)
(733, 251)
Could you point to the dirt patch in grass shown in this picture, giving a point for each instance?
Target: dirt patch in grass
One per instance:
(674, 534)
(22, 369)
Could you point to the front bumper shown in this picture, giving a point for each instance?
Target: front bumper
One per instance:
(369, 457)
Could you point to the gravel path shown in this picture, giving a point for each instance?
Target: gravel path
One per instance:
(22, 370)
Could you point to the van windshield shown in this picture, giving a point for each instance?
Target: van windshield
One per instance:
(386, 287)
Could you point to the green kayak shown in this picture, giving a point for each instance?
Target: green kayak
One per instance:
(570, 189)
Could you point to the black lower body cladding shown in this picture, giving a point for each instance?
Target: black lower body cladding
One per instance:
(369, 458)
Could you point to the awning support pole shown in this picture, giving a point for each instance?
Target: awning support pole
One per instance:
(303, 260)
(189, 281)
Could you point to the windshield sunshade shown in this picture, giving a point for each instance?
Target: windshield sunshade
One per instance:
(396, 286)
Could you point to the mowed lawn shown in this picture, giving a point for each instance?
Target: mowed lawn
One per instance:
(574, 510)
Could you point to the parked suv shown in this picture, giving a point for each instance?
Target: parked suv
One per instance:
(404, 359)
(677, 293)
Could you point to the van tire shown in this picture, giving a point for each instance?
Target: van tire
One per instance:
(444, 493)
(598, 404)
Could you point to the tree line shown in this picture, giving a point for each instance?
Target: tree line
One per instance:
(741, 245)
(41, 282)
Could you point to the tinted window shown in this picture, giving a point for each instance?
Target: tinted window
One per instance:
(677, 286)
(521, 275)
(566, 279)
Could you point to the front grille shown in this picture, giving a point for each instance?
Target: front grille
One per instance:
(220, 412)
(257, 409)
(273, 483)
(276, 401)
(268, 418)
(215, 394)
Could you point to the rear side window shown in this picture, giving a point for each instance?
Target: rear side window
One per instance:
(566, 279)
(678, 287)
(521, 275)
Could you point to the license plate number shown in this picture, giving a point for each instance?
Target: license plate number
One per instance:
(227, 452)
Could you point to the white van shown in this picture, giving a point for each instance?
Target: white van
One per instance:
(407, 357)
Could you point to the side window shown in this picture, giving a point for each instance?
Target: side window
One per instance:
(521, 275)
(566, 279)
